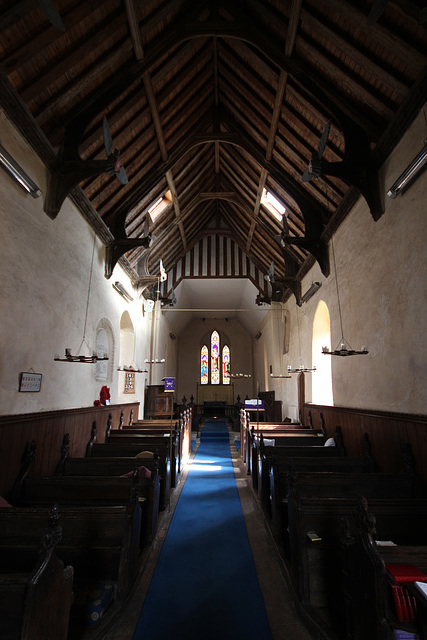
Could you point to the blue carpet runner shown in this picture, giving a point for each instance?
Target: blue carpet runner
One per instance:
(205, 585)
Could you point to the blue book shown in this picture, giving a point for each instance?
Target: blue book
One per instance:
(401, 634)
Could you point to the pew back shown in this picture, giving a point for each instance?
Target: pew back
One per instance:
(98, 542)
(315, 560)
(36, 589)
(117, 467)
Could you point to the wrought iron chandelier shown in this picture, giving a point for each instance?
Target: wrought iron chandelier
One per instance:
(94, 357)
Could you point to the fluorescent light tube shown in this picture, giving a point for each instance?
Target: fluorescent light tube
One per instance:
(18, 174)
(409, 173)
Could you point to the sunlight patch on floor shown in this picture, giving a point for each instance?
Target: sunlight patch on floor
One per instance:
(200, 467)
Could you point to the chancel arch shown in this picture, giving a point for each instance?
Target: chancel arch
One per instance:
(322, 391)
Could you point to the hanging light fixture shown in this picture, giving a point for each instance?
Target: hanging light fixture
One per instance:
(80, 358)
(94, 357)
(343, 348)
(240, 375)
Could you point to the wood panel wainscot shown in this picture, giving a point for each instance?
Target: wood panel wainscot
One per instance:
(392, 435)
(47, 429)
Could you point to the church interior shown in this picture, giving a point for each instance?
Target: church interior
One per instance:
(218, 208)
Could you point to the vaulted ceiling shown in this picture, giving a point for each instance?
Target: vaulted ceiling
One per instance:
(211, 102)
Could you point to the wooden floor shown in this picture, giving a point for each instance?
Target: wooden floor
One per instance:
(285, 622)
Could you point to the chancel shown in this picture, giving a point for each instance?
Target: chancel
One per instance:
(222, 197)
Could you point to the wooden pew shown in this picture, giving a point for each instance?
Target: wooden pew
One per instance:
(280, 482)
(251, 429)
(135, 493)
(100, 543)
(179, 430)
(115, 467)
(369, 610)
(118, 449)
(152, 437)
(268, 456)
(314, 544)
(288, 438)
(123, 449)
(161, 444)
(182, 426)
(36, 590)
(246, 426)
(271, 433)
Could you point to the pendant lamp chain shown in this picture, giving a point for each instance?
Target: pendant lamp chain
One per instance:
(338, 291)
(88, 291)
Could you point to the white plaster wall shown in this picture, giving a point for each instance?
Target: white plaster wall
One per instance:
(45, 267)
(381, 269)
(162, 347)
(381, 266)
(191, 340)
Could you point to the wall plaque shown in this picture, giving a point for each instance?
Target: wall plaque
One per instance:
(30, 381)
(129, 382)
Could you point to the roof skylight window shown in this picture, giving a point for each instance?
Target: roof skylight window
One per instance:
(274, 206)
(160, 205)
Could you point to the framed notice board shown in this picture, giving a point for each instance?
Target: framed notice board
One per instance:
(30, 382)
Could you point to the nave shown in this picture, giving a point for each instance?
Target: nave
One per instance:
(212, 570)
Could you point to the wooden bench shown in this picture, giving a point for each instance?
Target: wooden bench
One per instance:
(182, 427)
(288, 438)
(152, 437)
(122, 449)
(280, 482)
(248, 427)
(160, 443)
(115, 467)
(177, 429)
(314, 544)
(268, 456)
(273, 438)
(36, 590)
(370, 614)
(134, 493)
(100, 543)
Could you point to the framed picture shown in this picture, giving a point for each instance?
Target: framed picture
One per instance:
(129, 382)
(30, 381)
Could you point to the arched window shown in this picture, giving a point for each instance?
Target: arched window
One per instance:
(225, 365)
(322, 392)
(215, 369)
(127, 340)
(215, 362)
(105, 345)
(204, 375)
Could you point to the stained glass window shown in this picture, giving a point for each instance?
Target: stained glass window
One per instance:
(204, 371)
(215, 369)
(225, 365)
(214, 363)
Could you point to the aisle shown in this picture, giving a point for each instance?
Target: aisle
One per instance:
(205, 584)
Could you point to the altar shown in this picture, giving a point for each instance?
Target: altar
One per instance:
(221, 393)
